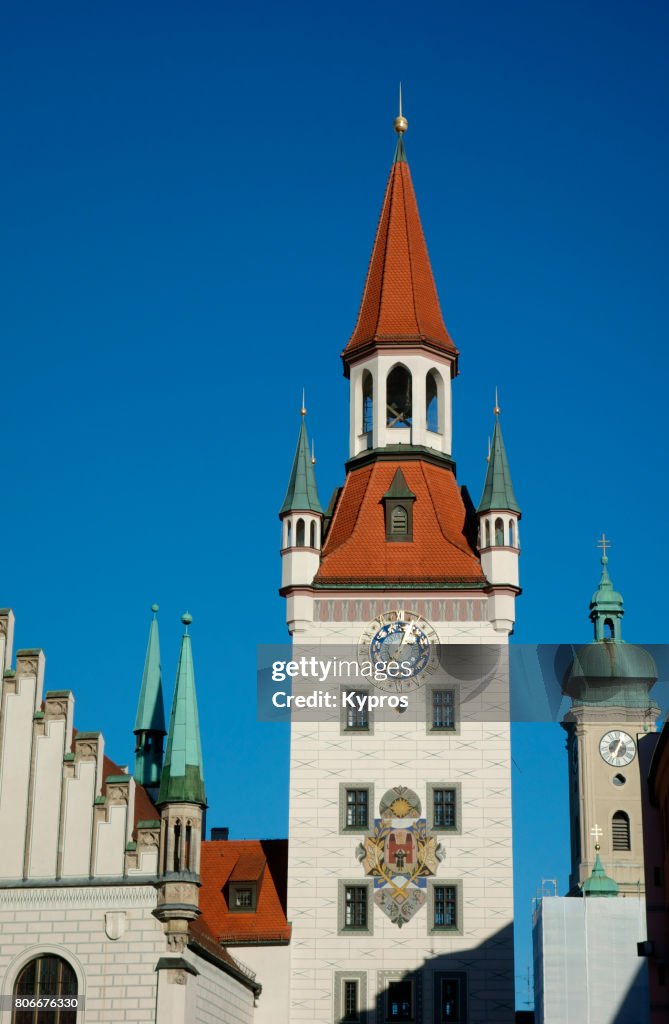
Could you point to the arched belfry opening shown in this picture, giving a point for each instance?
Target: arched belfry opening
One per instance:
(398, 397)
(433, 413)
(367, 402)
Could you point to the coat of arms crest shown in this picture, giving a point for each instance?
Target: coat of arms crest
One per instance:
(399, 855)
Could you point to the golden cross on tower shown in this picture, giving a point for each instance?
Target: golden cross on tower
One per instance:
(603, 543)
(596, 832)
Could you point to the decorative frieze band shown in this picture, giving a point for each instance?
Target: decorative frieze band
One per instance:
(32, 898)
(447, 610)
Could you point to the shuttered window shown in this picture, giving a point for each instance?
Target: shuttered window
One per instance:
(620, 831)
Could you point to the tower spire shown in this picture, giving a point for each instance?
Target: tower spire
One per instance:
(400, 305)
(182, 779)
(498, 493)
(150, 719)
(302, 493)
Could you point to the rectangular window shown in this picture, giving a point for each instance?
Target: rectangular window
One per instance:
(244, 898)
(443, 709)
(357, 801)
(450, 1006)
(355, 906)
(351, 1001)
(357, 718)
(445, 907)
(399, 1001)
(444, 809)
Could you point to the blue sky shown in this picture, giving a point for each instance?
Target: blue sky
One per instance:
(190, 194)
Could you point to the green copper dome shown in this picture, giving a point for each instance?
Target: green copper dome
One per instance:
(609, 671)
(599, 883)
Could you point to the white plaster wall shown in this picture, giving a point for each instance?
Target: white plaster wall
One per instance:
(16, 729)
(47, 782)
(272, 967)
(111, 839)
(78, 820)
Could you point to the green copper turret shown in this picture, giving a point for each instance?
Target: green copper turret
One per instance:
(498, 493)
(182, 779)
(150, 719)
(302, 494)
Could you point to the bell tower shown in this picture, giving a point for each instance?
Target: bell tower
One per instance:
(609, 682)
(400, 882)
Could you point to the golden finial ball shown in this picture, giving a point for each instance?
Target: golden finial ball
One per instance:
(401, 124)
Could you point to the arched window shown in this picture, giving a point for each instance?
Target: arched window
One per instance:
(398, 397)
(487, 533)
(312, 534)
(399, 521)
(609, 630)
(512, 532)
(431, 402)
(177, 846)
(187, 847)
(299, 534)
(289, 531)
(620, 831)
(499, 533)
(46, 976)
(367, 401)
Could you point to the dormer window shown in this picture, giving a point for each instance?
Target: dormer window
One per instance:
(398, 502)
(242, 897)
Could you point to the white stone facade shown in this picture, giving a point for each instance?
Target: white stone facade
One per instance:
(475, 759)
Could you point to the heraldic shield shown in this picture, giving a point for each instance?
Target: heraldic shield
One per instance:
(400, 854)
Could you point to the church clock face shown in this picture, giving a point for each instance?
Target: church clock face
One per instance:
(617, 748)
(404, 639)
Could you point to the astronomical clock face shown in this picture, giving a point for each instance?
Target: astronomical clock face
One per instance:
(617, 748)
(404, 638)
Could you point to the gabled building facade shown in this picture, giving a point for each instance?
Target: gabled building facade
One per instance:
(400, 889)
(101, 872)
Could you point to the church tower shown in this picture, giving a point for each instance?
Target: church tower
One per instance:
(400, 888)
(609, 682)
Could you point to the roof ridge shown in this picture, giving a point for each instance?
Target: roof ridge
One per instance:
(419, 326)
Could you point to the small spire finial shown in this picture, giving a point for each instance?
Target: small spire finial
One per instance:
(186, 618)
(313, 452)
(497, 409)
(596, 832)
(489, 451)
(604, 543)
(400, 123)
(155, 608)
(303, 410)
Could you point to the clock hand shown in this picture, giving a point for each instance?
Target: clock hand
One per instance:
(408, 630)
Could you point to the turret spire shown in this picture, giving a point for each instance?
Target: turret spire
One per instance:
(182, 779)
(150, 719)
(302, 493)
(498, 493)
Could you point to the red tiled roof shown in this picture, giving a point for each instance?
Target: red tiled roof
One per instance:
(400, 302)
(241, 860)
(356, 541)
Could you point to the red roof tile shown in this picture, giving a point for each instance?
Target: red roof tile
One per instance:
(240, 861)
(400, 302)
(356, 547)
